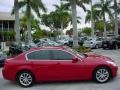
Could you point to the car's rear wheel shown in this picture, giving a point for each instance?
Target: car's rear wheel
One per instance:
(102, 75)
(25, 79)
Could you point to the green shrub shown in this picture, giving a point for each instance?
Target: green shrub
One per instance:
(83, 49)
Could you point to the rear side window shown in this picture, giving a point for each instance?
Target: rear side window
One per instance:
(39, 55)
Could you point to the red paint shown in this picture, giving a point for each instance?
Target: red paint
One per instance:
(46, 70)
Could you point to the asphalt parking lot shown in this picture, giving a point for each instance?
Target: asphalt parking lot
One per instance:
(114, 84)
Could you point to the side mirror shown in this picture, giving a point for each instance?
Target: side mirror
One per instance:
(74, 60)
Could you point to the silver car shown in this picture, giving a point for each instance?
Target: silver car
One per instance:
(93, 42)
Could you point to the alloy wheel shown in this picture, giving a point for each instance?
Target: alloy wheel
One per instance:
(25, 79)
(102, 75)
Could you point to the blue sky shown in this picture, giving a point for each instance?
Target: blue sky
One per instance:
(6, 6)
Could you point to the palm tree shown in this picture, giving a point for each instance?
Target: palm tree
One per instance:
(23, 26)
(63, 15)
(73, 4)
(93, 16)
(92, 21)
(116, 21)
(29, 6)
(105, 8)
(16, 11)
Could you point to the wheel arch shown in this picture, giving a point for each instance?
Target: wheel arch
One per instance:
(25, 70)
(101, 66)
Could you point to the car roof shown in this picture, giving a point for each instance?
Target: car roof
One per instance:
(48, 47)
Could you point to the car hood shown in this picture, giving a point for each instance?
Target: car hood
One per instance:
(98, 58)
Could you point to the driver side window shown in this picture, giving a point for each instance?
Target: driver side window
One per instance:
(61, 55)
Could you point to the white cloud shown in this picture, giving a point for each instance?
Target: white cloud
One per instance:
(6, 5)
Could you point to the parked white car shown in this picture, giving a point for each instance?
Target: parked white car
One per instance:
(93, 42)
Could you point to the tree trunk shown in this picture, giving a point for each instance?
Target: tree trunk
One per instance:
(116, 21)
(74, 22)
(29, 23)
(92, 22)
(104, 21)
(62, 28)
(29, 30)
(17, 25)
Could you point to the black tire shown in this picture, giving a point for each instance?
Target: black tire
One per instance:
(97, 46)
(102, 75)
(116, 46)
(104, 48)
(29, 75)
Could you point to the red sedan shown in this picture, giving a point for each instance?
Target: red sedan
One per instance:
(58, 64)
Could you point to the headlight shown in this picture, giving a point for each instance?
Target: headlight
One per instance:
(110, 62)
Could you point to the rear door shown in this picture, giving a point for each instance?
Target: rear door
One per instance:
(43, 67)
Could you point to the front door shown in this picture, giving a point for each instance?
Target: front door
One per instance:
(67, 70)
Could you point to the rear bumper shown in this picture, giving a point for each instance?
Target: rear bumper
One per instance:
(8, 74)
(2, 62)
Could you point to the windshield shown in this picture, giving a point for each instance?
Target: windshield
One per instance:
(75, 52)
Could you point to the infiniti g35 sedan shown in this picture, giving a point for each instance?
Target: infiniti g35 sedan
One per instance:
(58, 64)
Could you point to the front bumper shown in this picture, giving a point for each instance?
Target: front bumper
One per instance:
(114, 71)
(89, 45)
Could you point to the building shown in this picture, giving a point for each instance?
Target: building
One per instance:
(7, 22)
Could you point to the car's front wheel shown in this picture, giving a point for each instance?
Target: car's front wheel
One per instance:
(25, 79)
(102, 75)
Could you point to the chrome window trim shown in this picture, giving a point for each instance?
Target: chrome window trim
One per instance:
(49, 60)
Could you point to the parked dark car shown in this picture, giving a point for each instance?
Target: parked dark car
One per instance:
(15, 49)
(80, 41)
(111, 43)
(3, 57)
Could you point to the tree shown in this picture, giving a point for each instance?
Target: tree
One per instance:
(99, 26)
(69, 32)
(105, 8)
(55, 20)
(96, 15)
(93, 16)
(29, 6)
(73, 4)
(116, 21)
(17, 31)
(47, 20)
(38, 34)
(116, 9)
(87, 31)
(92, 21)
(23, 26)
(63, 15)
